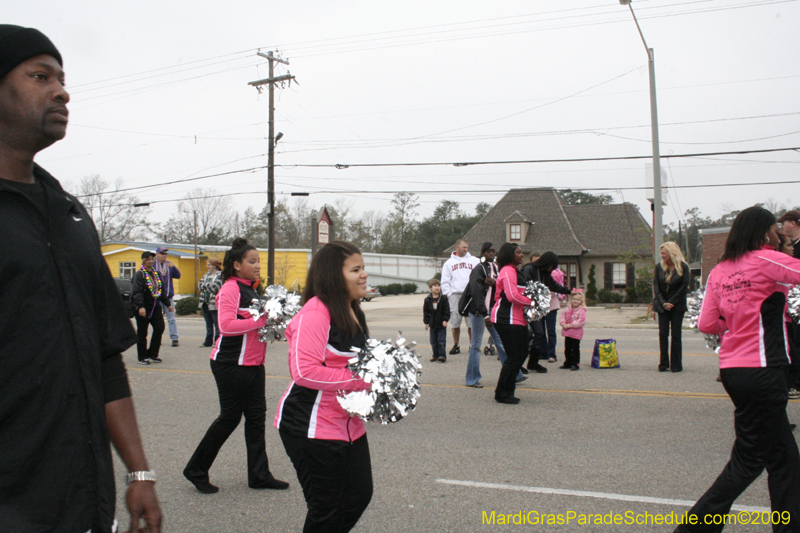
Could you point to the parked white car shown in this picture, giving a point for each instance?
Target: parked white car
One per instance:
(372, 292)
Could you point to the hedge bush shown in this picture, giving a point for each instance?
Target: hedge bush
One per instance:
(397, 288)
(187, 306)
(606, 296)
(409, 288)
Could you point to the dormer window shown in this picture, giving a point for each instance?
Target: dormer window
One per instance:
(515, 232)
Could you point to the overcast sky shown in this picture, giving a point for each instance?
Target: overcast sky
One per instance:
(159, 94)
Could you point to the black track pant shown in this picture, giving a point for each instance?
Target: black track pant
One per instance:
(515, 342)
(763, 440)
(241, 392)
(572, 352)
(336, 477)
(669, 324)
(157, 321)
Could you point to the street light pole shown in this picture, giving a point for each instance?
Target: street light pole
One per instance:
(658, 211)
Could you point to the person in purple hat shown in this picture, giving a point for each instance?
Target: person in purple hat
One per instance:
(65, 391)
(168, 271)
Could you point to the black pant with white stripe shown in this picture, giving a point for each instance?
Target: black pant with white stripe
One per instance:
(336, 477)
(241, 392)
(763, 440)
(515, 342)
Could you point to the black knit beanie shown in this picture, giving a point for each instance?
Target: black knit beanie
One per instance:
(18, 44)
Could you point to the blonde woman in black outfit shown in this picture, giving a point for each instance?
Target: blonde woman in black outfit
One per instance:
(670, 284)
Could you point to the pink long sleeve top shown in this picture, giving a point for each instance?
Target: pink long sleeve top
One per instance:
(509, 298)
(238, 340)
(745, 300)
(576, 318)
(318, 358)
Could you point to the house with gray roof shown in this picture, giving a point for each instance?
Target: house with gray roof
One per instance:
(613, 237)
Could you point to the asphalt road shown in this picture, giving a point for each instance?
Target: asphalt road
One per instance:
(630, 440)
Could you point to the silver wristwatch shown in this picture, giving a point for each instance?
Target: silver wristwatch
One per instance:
(145, 475)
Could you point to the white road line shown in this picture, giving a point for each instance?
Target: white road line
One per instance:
(587, 494)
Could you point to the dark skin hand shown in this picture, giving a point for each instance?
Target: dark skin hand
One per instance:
(141, 496)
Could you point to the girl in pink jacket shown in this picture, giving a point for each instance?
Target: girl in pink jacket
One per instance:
(745, 299)
(509, 319)
(573, 317)
(327, 446)
(237, 362)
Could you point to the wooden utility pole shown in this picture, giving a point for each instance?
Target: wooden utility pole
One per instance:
(196, 258)
(271, 81)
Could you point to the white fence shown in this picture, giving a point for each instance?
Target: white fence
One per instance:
(386, 268)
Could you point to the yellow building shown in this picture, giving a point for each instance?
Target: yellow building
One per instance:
(124, 257)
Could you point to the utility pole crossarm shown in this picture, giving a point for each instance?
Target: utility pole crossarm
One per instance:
(276, 79)
(271, 57)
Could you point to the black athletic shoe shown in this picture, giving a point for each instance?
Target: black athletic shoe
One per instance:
(512, 400)
(455, 349)
(539, 369)
(203, 486)
(272, 483)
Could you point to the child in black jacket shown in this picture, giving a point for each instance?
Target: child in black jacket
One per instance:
(435, 314)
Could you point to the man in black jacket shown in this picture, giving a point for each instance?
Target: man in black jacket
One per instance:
(148, 294)
(64, 391)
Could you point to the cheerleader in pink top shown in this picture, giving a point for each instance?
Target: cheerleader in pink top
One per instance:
(327, 446)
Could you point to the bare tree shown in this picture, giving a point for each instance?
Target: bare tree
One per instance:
(775, 207)
(398, 236)
(252, 226)
(214, 214)
(114, 214)
(292, 229)
(215, 217)
(366, 232)
(341, 213)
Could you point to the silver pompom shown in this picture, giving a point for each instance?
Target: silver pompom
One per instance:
(279, 306)
(695, 304)
(793, 300)
(392, 370)
(540, 305)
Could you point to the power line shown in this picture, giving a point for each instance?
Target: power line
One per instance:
(533, 161)
(184, 180)
(473, 163)
(487, 191)
(348, 192)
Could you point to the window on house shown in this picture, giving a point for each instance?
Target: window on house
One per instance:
(620, 273)
(572, 275)
(127, 269)
(515, 232)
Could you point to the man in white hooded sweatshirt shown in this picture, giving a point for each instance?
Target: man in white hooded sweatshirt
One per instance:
(455, 276)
